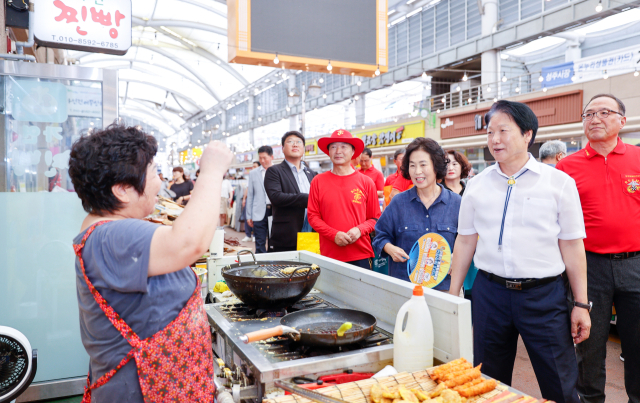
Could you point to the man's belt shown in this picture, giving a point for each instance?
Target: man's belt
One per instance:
(518, 284)
(619, 256)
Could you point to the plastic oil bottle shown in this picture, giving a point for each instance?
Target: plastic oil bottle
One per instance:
(413, 335)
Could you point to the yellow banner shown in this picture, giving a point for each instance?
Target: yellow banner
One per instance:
(311, 147)
(392, 135)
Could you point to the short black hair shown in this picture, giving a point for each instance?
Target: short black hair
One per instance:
(399, 153)
(621, 106)
(520, 113)
(368, 152)
(117, 155)
(265, 149)
(293, 133)
(438, 156)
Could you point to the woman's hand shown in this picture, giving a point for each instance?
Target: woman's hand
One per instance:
(216, 159)
(397, 254)
(180, 200)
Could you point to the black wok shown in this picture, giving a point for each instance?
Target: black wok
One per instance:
(317, 327)
(263, 285)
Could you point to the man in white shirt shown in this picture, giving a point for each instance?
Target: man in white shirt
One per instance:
(523, 221)
(258, 203)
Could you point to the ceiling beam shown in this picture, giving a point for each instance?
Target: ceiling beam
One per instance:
(179, 24)
(140, 103)
(162, 87)
(213, 10)
(199, 83)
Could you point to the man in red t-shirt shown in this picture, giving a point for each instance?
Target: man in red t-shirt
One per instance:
(367, 168)
(388, 183)
(343, 204)
(607, 174)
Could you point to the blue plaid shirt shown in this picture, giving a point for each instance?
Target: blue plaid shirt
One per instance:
(406, 219)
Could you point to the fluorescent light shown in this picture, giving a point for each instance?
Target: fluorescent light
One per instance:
(404, 17)
(391, 12)
(416, 11)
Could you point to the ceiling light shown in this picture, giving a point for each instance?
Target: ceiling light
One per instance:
(574, 78)
(324, 96)
(541, 79)
(424, 75)
(599, 7)
(276, 60)
(180, 114)
(444, 100)
(359, 83)
(189, 144)
(465, 78)
(357, 98)
(321, 80)
(517, 89)
(470, 100)
(259, 107)
(504, 56)
(377, 72)
(495, 99)
(544, 89)
(198, 141)
(489, 89)
(437, 110)
(239, 126)
(259, 119)
(288, 109)
(605, 75)
(636, 73)
(362, 127)
(234, 117)
(504, 77)
(329, 66)
(458, 88)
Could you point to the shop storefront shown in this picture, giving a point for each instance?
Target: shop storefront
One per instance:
(558, 119)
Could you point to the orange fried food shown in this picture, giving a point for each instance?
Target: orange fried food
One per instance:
(455, 371)
(446, 367)
(468, 384)
(467, 376)
(479, 389)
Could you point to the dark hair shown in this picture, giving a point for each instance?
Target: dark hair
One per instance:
(293, 133)
(463, 161)
(368, 152)
(179, 169)
(438, 156)
(399, 153)
(622, 110)
(265, 149)
(520, 113)
(258, 162)
(198, 172)
(117, 155)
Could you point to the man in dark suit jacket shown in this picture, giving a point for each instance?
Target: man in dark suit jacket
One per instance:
(287, 185)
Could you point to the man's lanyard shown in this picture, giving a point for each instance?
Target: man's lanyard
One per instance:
(511, 182)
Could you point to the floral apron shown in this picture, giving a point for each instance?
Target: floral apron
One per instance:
(176, 363)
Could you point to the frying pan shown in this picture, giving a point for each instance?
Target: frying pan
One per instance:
(317, 327)
(263, 285)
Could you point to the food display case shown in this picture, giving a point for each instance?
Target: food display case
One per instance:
(44, 108)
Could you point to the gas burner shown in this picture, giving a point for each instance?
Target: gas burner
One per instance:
(270, 313)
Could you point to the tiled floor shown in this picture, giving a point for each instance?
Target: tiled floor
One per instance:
(523, 375)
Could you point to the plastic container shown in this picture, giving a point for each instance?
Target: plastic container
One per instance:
(216, 249)
(413, 335)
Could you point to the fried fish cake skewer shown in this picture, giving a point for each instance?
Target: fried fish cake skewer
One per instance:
(468, 384)
(465, 377)
(479, 389)
(446, 367)
(455, 371)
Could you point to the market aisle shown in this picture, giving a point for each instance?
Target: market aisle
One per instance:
(233, 234)
(524, 379)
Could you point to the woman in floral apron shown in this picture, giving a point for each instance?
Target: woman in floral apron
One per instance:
(142, 319)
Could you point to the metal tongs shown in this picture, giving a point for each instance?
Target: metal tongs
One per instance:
(309, 394)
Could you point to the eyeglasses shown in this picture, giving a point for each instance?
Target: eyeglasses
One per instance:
(294, 142)
(601, 114)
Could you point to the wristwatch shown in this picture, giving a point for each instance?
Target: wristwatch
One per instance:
(585, 306)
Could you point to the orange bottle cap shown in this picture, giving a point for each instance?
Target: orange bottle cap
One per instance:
(417, 290)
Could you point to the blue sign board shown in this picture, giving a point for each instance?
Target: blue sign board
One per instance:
(560, 74)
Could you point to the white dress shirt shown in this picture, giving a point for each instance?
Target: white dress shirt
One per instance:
(264, 172)
(544, 206)
(301, 178)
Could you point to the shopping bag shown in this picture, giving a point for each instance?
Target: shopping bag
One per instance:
(381, 264)
(309, 241)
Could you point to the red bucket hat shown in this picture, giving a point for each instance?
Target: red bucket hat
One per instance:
(341, 136)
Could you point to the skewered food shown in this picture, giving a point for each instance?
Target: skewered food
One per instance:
(467, 376)
(468, 384)
(290, 270)
(479, 389)
(448, 367)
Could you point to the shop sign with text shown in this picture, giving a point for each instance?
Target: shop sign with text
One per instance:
(101, 26)
(392, 135)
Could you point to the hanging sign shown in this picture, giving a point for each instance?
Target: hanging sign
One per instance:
(430, 260)
(101, 26)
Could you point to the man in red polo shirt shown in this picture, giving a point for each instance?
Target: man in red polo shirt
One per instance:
(388, 183)
(607, 173)
(343, 204)
(367, 168)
